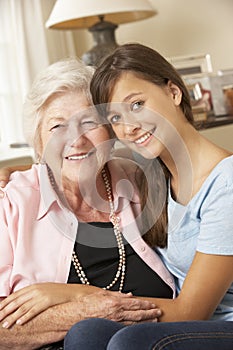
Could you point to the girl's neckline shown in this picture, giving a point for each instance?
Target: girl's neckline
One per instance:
(203, 184)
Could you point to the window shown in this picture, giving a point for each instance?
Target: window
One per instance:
(23, 52)
(10, 97)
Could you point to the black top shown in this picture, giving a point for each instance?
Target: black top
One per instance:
(98, 254)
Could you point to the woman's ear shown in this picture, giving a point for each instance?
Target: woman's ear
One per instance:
(176, 93)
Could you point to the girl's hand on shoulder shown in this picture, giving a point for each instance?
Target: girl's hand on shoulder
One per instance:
(5, 174)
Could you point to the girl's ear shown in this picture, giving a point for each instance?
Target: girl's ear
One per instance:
(175, 92)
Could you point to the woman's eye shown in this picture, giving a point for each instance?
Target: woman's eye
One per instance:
(137, 106)
(90, 124)
(57, 126)
(114, 119)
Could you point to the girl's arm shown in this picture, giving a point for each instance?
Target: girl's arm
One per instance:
(206, 283)
(210, 274)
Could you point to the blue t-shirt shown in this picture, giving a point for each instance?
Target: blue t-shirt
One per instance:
(205, 224)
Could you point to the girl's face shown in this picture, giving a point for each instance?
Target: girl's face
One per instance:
(145, 116)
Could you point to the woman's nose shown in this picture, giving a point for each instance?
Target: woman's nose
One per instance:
(76, 136)
(78, 141)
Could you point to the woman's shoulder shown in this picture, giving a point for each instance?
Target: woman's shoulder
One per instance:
(123, 161)
(124, 179)
(22, 192)
(123, 168)
(23, 179)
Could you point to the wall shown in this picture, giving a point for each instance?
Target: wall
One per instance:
(221, 135)
(181, 27)
(184, 27)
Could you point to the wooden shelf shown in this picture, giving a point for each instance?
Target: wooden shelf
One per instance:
(214, 121)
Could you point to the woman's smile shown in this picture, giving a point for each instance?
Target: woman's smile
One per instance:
(78, 156)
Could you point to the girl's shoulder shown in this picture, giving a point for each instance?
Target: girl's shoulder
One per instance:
(223, 172)
(218, 184)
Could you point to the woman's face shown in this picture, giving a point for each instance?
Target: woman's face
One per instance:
(145, 116)
(74, 143)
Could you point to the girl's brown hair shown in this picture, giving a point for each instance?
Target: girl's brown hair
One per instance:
(142, 61)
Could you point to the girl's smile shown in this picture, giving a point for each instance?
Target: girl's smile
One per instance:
(145, 138)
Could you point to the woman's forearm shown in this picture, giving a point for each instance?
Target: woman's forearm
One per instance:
(48, 327)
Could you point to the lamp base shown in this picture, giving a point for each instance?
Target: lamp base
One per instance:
(104, 38)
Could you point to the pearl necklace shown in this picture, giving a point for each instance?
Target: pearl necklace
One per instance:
(121, 249)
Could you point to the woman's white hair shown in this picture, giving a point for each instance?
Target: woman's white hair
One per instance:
(70, 74)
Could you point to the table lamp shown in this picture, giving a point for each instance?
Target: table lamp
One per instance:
(101, 17)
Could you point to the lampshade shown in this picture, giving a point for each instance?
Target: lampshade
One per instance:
(76, 14)
(101, 17)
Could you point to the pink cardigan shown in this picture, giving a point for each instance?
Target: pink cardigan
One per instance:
(37, 232)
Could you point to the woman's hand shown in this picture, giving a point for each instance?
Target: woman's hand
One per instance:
(23, 305)
(118, 307)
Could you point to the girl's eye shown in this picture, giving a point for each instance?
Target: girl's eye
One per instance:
(136, 106)
(114, 119)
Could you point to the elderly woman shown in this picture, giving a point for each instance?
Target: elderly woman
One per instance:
(69, 237)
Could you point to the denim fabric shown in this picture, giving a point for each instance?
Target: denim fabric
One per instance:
(91, 334)
(102, 334)
(192, 335)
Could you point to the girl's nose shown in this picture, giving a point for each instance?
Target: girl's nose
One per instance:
(131, 128)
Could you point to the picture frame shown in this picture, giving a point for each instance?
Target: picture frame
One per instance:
(200, 92)
(197, 73)
(192, 64)
(221, 89)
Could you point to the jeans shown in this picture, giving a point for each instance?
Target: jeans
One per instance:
(100, 334)
(91, 334)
